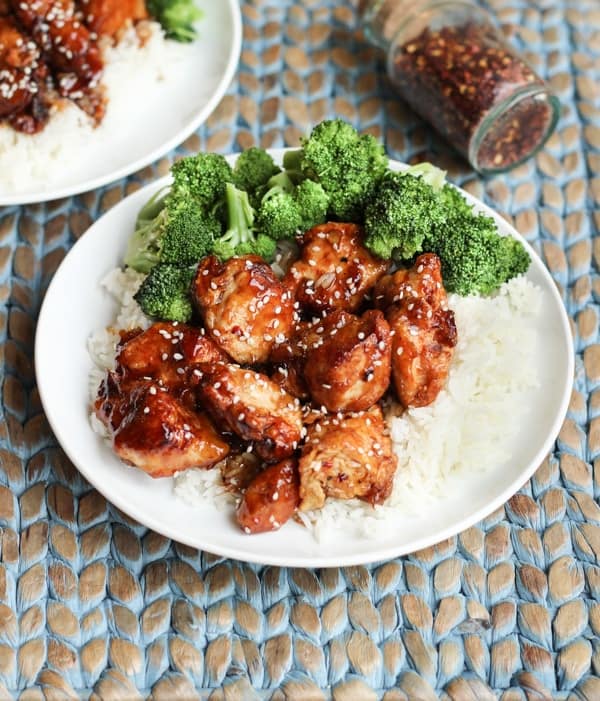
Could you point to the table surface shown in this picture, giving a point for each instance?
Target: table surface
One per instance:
(94, 604)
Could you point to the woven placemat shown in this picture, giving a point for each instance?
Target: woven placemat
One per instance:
(94, 604)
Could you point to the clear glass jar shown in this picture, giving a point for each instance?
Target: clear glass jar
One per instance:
(450, 62)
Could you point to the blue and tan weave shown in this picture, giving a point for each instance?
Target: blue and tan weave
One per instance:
(93, 605)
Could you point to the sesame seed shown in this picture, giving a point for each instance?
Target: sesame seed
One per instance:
(152, 390)
(146, 410)
(177, 356)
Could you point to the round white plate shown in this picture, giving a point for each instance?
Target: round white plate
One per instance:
(149, 120)
(75, 306)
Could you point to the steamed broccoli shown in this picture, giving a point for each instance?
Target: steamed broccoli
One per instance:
(179, 233)
(177, 17)
(287, 209)
(240, 238)
(402, 212)
(165, 293)
(179, 227)
(201, 178)
(475, 258)
(253, 168)
(345, 163)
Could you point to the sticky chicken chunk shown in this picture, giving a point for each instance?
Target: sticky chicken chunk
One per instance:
(348, 367)
(22, 80)
(71, 50)
(335, 271)
(254, 407)
(346, 457)
(168, 353)
(424, 330)
(245, 307)
(152, 430)
(108, 17)
(271, 498)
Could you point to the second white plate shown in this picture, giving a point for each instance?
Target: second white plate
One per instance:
(148, 120)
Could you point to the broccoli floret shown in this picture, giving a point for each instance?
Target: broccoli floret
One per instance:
(188, 235)
(312, 202)
(240, 238)
(165, 293)
(402, 212)
(179, 233)
(177, 17)
(201, 178)
(253, 168)
(287, 209)
(475, 258)
(345, 163)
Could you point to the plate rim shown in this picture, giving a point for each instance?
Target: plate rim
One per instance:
(16, 199)
(311, 561)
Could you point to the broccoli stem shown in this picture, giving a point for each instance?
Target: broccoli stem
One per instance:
(240, 216)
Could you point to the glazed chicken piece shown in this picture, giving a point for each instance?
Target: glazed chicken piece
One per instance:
(335, 271)
(108, 17)
(23, 75)
(348, 368)
(346, 456)
(72, 53)
(424, 338)
(245, 307)
(271, 498)
(253, 407)
(152, 430)
(168, 353)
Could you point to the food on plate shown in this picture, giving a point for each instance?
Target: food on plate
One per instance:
(271, 498)
(253, 407)
(346, 456)
(53, 52)
(334, 270)
(305, 368)
(424, 330)
(244, 306)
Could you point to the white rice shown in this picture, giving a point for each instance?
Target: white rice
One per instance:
(130, 72)
(464, 430)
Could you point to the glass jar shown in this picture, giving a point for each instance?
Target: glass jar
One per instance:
(449, 61)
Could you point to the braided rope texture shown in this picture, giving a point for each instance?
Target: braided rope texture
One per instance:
(93, 605)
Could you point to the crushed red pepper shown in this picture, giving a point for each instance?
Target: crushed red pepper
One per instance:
(459, 75)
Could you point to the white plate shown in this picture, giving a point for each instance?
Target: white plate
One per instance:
(149, 123)
(75, 306)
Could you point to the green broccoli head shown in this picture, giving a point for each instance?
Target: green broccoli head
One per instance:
(201, 178)
(177, 17)
(240, 238)
(287, 209)
(144, 247)
(475, 258)
(403, 211)
(188, 234)
(279, 216)
(345, 163)
(253, 169)
(165, 293)
(312, 202)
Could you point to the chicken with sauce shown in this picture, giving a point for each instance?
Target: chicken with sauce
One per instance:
(424, 338)
(149, 406)
(245, 308)
(334, 271)
(346, 456)
(23, 76)
(50, 51)
(290, 406)
(253, 407)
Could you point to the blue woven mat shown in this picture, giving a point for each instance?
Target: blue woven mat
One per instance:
(91, 603)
